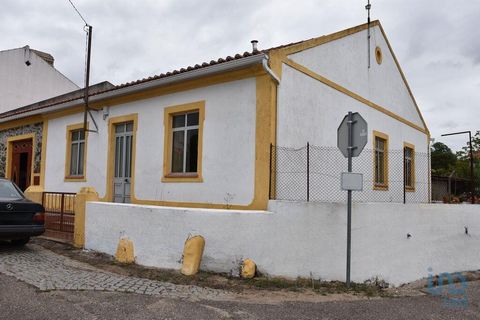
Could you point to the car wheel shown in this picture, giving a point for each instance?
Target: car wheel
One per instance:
(20, 242)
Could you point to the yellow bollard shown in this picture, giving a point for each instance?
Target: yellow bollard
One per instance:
(85, 194)
(34, 193)
(248, 269)
(125, 251)
(192, 255)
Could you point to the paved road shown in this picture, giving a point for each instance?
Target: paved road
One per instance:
(31, 298)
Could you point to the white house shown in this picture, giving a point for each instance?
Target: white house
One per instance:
(201, 136)
(28, 76)
(212, 149)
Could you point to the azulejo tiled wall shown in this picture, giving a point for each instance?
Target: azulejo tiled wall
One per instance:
(36, 128)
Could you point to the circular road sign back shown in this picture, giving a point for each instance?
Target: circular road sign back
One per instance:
(360, 135)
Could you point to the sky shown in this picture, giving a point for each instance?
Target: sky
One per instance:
(435, 41)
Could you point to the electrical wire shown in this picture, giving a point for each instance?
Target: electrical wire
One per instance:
(79, 14)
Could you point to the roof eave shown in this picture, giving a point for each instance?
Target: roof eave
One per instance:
(131, 89)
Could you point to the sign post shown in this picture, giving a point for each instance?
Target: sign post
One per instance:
(351, 139)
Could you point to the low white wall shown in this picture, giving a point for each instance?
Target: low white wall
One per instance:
(298, 239)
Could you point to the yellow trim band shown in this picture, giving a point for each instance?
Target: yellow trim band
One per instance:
(351, 94)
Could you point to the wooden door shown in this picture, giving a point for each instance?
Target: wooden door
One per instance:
(21, 166)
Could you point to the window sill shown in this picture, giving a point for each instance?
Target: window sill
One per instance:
(75, 179)
(182, 178)
(380, 187)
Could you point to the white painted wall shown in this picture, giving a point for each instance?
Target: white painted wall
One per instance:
(310, 111)
(228, 147)
(295, 239)
(345, 61)
(22, 85)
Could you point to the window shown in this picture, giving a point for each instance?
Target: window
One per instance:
(380, 161)
(409, 166)
(183, 143)
(76, 153)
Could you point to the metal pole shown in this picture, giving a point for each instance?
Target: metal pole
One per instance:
(472, 178)
(404, 176)
(349, 197)
(308, 171)
(87, 77)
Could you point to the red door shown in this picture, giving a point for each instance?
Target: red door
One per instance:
(21, 166)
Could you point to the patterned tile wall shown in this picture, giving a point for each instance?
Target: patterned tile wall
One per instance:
(31, 128)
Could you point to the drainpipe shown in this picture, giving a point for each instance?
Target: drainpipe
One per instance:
(270, 71)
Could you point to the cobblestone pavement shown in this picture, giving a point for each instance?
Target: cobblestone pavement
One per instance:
(49, 271)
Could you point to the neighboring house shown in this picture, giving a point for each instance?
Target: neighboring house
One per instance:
(201, 136)
(28, 76)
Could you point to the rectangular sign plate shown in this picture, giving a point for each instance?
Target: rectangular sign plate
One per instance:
(352, 181)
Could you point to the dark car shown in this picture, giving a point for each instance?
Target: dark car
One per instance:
(20, 218)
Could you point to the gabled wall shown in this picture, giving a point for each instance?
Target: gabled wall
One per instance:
(345, 62)
(21, 85)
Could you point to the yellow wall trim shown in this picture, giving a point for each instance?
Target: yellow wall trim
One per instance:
(68, 155)
(169, 112)
(404, 79)
(351, 94)
(383, 186)
(43, 156)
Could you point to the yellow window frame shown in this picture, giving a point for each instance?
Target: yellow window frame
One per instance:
(380, 186)
(169, 112)
(411, 147)
(68, 154)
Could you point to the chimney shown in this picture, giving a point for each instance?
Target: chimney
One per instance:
(254, 46)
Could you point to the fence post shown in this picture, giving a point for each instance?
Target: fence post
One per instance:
(404, 177)
(308, 171)
(83, 196)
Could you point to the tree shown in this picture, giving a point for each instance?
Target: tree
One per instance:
(443, 159)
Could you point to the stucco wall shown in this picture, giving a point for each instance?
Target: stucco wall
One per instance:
(310, 111)
(345, 61)
(228, 147)
(21, 85)
(299, 239)
(37, 148)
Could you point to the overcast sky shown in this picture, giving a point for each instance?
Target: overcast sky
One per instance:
(436, 41)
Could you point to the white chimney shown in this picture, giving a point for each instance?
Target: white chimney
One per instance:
(254, 45)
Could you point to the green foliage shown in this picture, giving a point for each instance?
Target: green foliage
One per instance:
(443, 159)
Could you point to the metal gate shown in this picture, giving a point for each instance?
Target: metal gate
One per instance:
(59, 215)
(123, 162)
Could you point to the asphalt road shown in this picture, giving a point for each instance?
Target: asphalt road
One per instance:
(22, 301)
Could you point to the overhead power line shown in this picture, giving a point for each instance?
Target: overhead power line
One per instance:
(79, 14)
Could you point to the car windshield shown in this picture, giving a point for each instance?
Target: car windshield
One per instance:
(9, 191)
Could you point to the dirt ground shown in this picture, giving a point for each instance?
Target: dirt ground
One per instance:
(283, 289)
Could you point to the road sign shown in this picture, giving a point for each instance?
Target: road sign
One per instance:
(359, 135)
(351, 181)
(351, 139)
